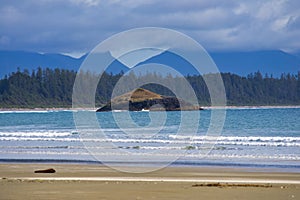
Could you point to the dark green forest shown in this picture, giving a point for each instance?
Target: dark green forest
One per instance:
(47, 88)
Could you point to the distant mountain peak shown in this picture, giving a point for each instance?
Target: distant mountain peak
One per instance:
(133, 58)
(242, 63)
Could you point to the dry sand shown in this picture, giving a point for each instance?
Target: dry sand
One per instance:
(17, 181)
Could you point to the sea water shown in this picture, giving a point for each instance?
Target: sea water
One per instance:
(251, 137)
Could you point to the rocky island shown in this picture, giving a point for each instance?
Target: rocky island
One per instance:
(142, 99)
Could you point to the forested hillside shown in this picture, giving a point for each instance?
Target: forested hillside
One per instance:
(53, 88)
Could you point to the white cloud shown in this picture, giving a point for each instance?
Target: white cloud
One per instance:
(86, 2)
(79, 25)
(9, 14)
(4, 40)
(280, 23)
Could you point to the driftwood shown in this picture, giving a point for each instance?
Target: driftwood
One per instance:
(50, 170)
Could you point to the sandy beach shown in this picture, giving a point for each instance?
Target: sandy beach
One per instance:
(18, 181)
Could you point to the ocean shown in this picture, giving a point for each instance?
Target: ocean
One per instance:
(251, 138)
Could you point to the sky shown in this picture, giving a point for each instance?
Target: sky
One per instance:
(76, 26)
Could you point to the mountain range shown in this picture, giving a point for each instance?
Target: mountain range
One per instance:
(273, 62)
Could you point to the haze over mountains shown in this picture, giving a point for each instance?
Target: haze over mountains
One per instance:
(242, 63)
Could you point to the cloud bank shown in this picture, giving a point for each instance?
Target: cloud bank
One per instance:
(79, 25)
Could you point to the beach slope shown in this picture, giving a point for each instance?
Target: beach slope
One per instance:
(18, 181)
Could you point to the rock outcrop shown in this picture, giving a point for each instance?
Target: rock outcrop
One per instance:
(142, 99)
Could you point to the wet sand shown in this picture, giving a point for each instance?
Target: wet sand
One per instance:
(18, 181)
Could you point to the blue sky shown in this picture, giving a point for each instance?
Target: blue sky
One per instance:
(77, 26)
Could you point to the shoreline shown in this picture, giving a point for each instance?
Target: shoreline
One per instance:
(94, 109)
(214, 165)
(18, 181)
(87, 170)
(250, 107)
(43, 109)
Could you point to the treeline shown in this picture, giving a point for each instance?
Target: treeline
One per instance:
(41, 88)
(53, 88)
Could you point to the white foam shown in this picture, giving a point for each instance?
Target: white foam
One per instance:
(36, 134)
(175, 140)
(24, 111)
(237, 138)
(160, 155)
(34, 111)
(252, 107)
